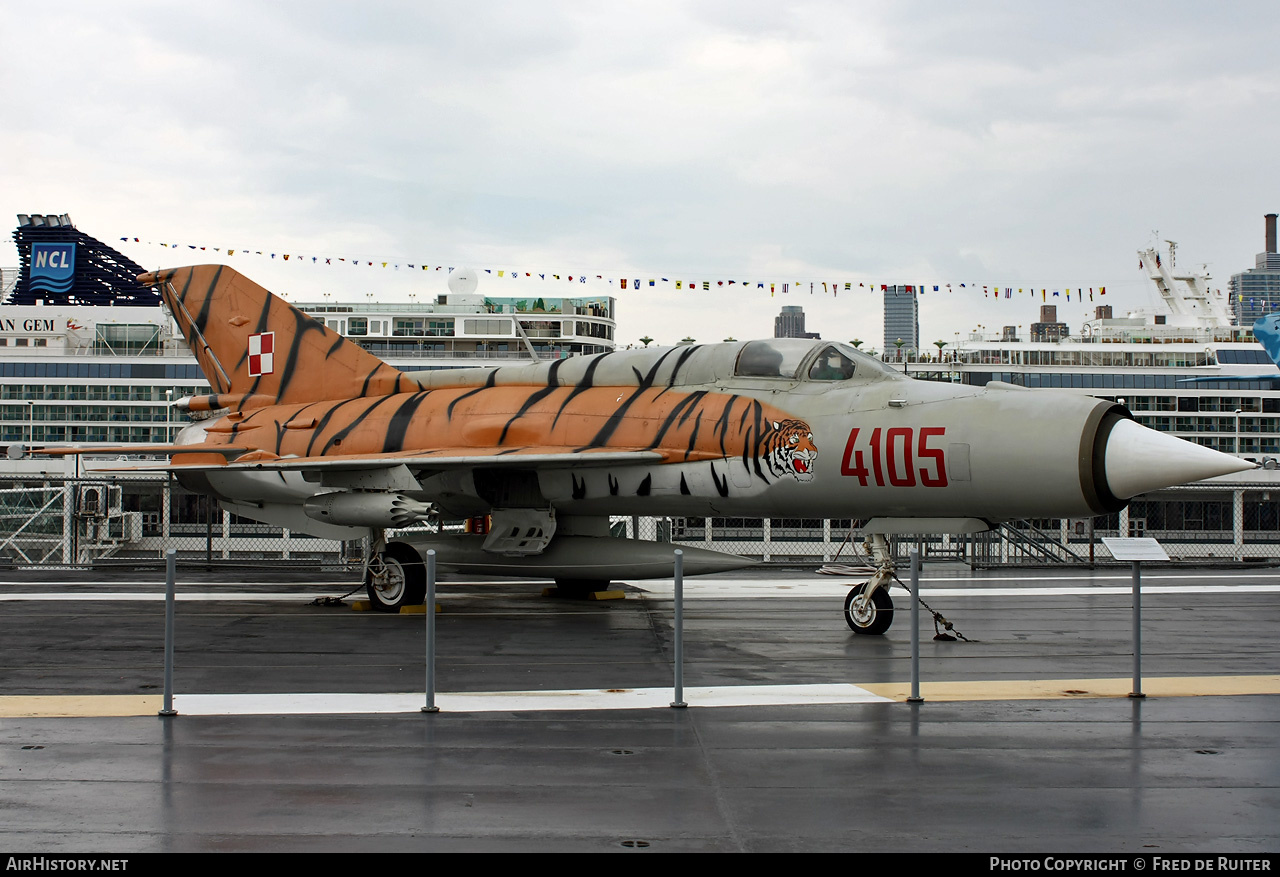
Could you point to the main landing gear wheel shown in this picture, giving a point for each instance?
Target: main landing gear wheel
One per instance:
(396, 577)
(869, 617)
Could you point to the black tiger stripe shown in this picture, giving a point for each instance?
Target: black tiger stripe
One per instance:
(722, 484)
(488, 382)
(684, 407)
(350, 427)
(303, 325)
(201, 320)
(400, 421)
(759, 428)
(722, 424)
(586, 383)
(534, 398)
(693, 438)
(619, 414)
(324, 422)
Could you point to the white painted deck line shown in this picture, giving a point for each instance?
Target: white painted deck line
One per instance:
(831, 588)
(519, 701)
(203, 597)
(783, 578)
(838, 588)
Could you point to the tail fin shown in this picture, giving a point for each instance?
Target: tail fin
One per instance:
(253, 345)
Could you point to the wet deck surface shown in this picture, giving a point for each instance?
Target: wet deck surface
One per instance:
(1075, 769)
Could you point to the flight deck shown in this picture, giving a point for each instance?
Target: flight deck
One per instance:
(300, 725)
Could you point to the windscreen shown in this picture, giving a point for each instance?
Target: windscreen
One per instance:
(776, 358)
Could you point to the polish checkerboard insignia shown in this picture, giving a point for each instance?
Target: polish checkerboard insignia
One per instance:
(262, 354)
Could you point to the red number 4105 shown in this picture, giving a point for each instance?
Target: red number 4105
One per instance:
(893, 457)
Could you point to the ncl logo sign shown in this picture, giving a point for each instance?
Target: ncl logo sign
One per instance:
(53, 267)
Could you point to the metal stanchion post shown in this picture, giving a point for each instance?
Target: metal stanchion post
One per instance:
(209, 506)
(1136, 549)
(915, 628)
(429, 608)
(170, 562)
(679, 703)
(1137, 630)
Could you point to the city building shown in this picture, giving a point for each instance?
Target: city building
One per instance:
(790, 324)
(1256, 292)
(901, 321)
(1049, 329)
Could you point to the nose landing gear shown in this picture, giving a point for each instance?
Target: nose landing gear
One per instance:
(869, 615)
(868, 609)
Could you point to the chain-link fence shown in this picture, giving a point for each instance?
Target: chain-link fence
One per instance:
(46, 521)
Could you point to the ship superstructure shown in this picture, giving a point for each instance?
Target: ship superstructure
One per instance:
(1160, 361)
(79, 368)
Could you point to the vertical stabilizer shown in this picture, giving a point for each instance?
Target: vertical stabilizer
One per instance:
(253, 344)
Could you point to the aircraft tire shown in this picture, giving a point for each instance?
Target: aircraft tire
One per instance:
(877, 620)
(406, 579)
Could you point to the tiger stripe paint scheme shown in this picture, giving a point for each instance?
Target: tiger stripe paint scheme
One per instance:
(328, 401)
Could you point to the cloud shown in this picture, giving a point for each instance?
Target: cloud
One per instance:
(1016, 144)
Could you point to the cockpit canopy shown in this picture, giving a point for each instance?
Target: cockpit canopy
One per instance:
(797, 359)
(776, 359)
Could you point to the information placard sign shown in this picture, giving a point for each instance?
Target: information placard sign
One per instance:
(1134, 548)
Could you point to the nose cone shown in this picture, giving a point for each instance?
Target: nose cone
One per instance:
(1139, 460)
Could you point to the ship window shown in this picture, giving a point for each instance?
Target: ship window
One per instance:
(358, 326)
(126, 338)
(487, 327)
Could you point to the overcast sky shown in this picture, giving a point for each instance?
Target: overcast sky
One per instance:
(1015, 144)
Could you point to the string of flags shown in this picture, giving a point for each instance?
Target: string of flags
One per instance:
(827, 287)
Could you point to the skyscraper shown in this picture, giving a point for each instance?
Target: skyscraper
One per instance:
(901, 319)
(790, 324)
(1256, 292)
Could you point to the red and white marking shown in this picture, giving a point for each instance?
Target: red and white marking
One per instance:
(262, 354)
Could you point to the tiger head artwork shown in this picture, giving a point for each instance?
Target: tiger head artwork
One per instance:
(789, 450)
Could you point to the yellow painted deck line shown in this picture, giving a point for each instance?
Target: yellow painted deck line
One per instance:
(1050, 689)
(89, 706)
(80, 706)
